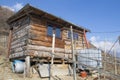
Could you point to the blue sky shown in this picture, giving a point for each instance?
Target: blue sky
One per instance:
(96, 15)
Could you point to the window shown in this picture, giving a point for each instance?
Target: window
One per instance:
(53, 29)
(58, 32)
(75, 35)
(49, 30)
(69, 34)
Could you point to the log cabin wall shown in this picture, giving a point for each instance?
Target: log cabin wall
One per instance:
(39, 39)
(40, 43)
(30, 35)
(19, 39)
(79, 43)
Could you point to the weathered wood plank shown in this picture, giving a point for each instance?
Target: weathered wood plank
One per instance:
(35, 32)
(18, 49)
(39, 28)
(18, 54)
(44, 54)
(19, 36)
(33, 40)
(21, 33)
(20, 44)
(45, 39)
(43, 48)
(22, 39)
(44, 43)
(27, 65)
(37, 20)
(20, 23)
(21, 29)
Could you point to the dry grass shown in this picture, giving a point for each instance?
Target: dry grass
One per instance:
(3, 51)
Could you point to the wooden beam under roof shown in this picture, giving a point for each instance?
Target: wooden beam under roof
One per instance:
(30, 9)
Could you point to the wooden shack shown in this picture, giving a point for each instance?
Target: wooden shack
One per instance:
(31, 31)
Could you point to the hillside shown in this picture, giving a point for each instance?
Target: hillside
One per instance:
(5, 13)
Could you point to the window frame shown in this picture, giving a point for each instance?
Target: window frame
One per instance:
(74, 35)
(48, 31)
(54, 30)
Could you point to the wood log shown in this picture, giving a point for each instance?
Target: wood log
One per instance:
(43, 48)
(22, 39)
(18, 37)
(39, 28)
(35, 32)
(66, 56)
(35, 20)
(45, 54)
(45, 39)
(68, 51)
(70, 56)
(18, 49)
(20, 33)
(21, 29)
(18, 54)
(44, 43)
(21, 44)
(20, 23)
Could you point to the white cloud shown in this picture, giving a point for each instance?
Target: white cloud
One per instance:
(94, 38)
(104, 44)
(17, 6)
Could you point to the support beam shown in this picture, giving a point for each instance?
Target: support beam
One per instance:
(86, 39)
(52, 54)
(9, 42)
(115, 61)
(27, 66)
(73, 55)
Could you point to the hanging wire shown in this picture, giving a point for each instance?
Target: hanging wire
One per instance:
(113, 46)
(107, 32)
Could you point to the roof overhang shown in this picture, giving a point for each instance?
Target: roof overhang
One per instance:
(27, 10)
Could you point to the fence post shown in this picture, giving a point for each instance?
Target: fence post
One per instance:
(73, 55)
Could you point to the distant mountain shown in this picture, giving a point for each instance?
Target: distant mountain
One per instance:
(5, 13)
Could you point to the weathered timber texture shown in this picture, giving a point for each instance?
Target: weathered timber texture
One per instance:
(31, 39)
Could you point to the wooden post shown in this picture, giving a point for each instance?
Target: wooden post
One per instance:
(105, 57)
(115, 62)
(87, 43)
(53, 48)
(52, 54)
(9, 43)
(73, 55)
(27, 66)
